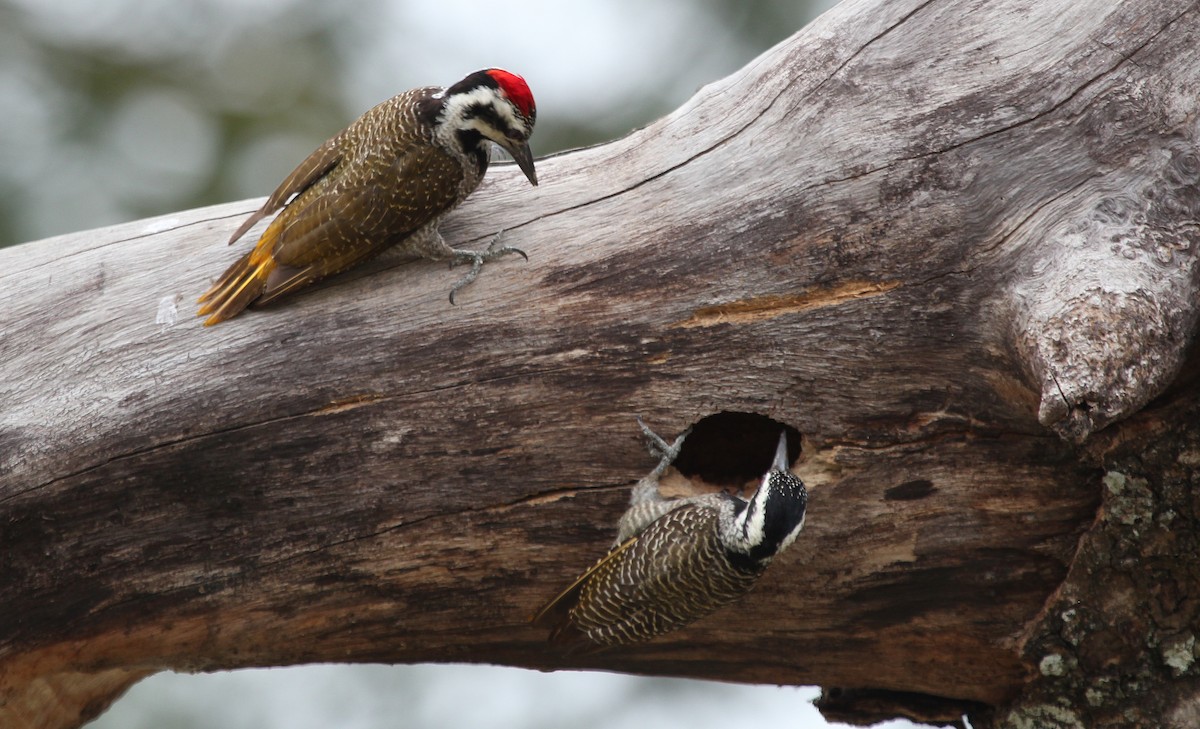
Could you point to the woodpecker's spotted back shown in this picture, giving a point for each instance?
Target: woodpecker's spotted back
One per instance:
(386, 180)
(677, 560)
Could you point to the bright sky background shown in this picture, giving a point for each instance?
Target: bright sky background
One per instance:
(435, 696)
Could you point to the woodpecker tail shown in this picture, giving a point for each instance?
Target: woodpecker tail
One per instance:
(242, 283)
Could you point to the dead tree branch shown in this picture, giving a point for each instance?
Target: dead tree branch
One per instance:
(947, 242)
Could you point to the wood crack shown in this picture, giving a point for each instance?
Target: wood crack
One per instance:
(762, 308)
(1123, 58)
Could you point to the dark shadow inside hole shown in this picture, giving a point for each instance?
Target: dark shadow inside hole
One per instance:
(730, 449)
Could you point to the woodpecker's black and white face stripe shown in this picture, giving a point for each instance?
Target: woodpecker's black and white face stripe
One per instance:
(487, 112)
(480, 109)
(773, 517)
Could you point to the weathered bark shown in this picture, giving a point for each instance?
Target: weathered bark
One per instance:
(945, 241)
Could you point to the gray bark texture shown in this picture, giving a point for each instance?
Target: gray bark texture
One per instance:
(951, 243)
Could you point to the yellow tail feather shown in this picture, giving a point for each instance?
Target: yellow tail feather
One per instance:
(242, 283)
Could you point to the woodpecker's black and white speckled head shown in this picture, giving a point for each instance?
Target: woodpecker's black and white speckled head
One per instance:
(490, 105)
(771, 520)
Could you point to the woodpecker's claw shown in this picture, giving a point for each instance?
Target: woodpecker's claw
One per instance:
(477, 259)
(659, 447)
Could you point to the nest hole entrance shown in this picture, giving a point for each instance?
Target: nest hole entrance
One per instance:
(733, 448)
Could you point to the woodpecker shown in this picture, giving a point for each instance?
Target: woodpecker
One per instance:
(677, 560)
(386, 180)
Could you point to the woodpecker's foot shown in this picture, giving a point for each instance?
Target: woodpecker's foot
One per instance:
(477, 259)
(646, 504)
(659, 447)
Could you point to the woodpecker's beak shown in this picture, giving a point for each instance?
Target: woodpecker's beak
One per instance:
(520, 152)
(781, 457)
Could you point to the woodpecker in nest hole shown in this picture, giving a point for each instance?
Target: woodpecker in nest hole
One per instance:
(386, 180)
(677, 560)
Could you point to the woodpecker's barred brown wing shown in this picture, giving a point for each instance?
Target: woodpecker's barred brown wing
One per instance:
(314, 243)
(556, 613)
(671, 574)
(238, 286)
(321, 239)
(350, 207)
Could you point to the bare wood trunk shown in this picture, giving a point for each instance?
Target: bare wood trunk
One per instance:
(945, 241)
